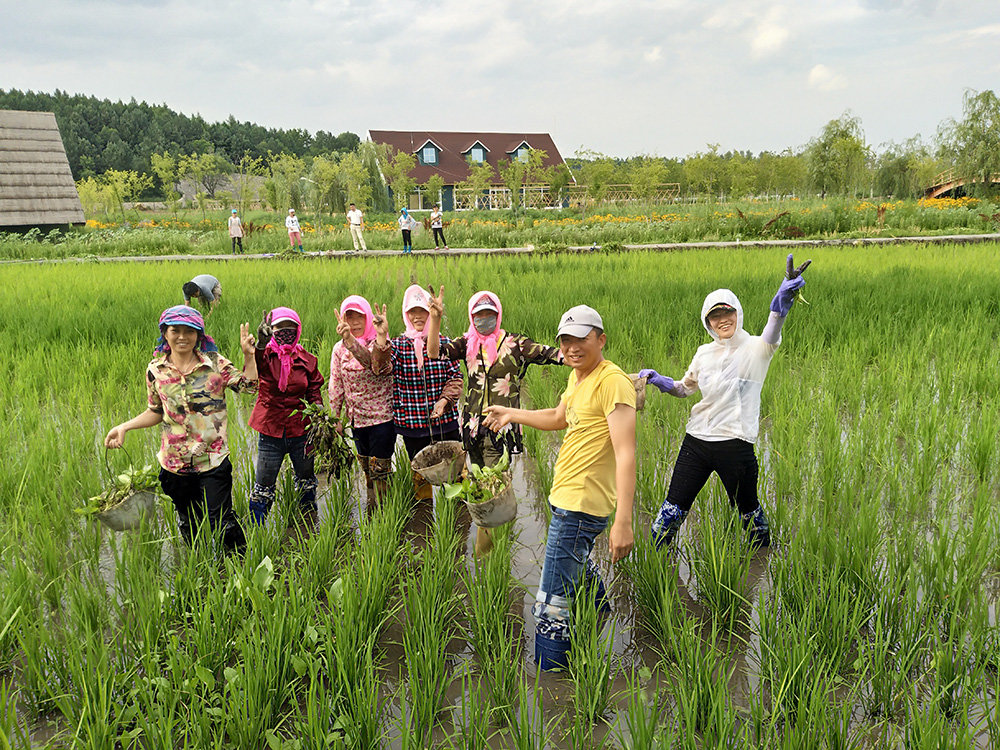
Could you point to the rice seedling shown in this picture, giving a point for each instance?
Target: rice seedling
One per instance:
(643, 725)
(590, 663)
(492, 628)
(881, 495)
(720, 561)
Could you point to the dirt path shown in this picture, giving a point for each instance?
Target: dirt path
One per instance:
(960, 239)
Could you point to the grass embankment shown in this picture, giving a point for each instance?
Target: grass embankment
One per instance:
(190, 232)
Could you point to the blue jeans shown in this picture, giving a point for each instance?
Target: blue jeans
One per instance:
(567, 563)
(271, 452)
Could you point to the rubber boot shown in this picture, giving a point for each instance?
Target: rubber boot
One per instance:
(484, 542)
(261, 500)
(422, 489)
(365, 463)
(667, 523)
(381, 470)
(758, 529)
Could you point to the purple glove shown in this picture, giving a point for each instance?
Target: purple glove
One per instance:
(783, 300)
(662, 382)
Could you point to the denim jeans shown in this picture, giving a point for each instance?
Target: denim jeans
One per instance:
(271, 452)
(567, 563)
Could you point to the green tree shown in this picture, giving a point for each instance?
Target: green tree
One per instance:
(479, 181)
(396, 166)
(432, 188)
(357, 177)
(974, 142)
(838, 158)
(165, 167)
(125, 185)
(703, 172)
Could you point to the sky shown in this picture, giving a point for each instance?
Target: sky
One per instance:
(664, 78)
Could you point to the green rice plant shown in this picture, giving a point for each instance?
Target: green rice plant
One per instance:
(927, 728)
(431, 606)
(720, 562)
(14, 734)
(472, 726)
(653, 574)
(699, 678)
(492, 628)
(642, 726)
(530, 731)
(590, 662)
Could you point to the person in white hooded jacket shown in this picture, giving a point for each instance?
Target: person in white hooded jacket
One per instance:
(723, 426)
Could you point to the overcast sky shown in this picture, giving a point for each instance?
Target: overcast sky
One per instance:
(622, 78)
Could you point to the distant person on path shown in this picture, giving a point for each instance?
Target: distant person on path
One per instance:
(496, 362)
(366, 397)
(204, 289)
(424, 390)
(594, 477)
(356, 222)
(294, 231)
(723, 426)
(288, 376)
(236, 231)
(406, 225)
(437, 226)
(186, 386)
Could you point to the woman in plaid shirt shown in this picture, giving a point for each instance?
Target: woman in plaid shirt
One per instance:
(425, 390)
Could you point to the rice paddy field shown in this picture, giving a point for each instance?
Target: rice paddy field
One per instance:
(870, 623)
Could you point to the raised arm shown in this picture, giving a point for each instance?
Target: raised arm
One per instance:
(621, 427)
(434, 324)
(678, 388)
(783, 300)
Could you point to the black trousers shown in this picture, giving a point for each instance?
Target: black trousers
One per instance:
(206, 494)
(439, 232)
(407, 242)
(733, 460)
(237, 241)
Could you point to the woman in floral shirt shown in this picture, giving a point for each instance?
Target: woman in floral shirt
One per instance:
(186, 386)
(496, 362)
(365, 396)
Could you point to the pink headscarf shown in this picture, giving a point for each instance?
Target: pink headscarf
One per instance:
(360, 304)
(416, 296)
(474, 340)
(285, 352)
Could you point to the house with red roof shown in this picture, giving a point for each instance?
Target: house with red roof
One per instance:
(450, 154)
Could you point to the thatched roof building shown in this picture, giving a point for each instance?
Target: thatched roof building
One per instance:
(36, 185)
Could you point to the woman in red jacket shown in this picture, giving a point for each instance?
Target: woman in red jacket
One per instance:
(287, 374)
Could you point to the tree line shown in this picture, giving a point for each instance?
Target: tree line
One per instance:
(101, 135)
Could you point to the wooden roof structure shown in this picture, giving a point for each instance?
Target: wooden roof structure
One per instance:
(36, 184)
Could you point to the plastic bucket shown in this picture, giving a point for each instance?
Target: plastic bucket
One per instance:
(551, 654)
(497, 510)
(128, 513)
(640, 391)
(440, 462)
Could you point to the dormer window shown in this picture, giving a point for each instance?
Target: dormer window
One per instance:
(477, 155)
(429, 153)
(521, 152)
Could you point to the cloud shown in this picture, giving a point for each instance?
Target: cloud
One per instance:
(653, 55)
(824, 79)
(768, 39)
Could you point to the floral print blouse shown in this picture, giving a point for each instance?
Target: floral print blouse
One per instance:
(499, 385)
(367, 396)
(193, 431)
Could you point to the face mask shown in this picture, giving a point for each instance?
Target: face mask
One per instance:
(485, 325)
(284, 336)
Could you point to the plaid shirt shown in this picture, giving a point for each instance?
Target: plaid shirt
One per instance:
(414, 392)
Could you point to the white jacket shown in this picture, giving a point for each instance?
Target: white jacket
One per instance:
(730, 375)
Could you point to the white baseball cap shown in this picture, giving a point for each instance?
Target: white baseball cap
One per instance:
(579, 321)
(485, 302)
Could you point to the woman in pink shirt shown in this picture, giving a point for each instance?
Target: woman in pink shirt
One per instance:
(367, 397)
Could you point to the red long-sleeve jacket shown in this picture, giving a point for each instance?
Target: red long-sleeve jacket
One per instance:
(272, 414)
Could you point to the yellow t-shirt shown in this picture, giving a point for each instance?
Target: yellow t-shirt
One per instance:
(585, 469)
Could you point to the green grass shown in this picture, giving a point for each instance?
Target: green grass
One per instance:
(877, 468)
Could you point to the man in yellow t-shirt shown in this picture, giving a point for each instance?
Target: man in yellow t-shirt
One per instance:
(594, 476)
